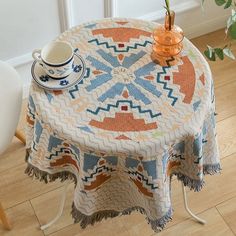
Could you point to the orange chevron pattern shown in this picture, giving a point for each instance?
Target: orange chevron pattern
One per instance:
(124, 122)
(185, 78)
(121, 34)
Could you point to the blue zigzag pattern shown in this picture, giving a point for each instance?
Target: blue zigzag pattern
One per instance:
(165, 85)
(34, 146)
(177, 156)
(30, 112)
(62, 150)
(76, 87)
(97, 171)
(144, 179)
(124, 101)
(117, 50)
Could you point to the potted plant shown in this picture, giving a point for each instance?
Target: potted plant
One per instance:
(213, 53)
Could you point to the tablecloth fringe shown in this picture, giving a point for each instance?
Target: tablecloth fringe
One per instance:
(44, 176)
(84, 220)
(195, 184)
(211, 169)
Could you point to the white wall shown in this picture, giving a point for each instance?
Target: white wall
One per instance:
(24, 26)
(87, 10)
(29, 24)
(189, 15)
(140, 8)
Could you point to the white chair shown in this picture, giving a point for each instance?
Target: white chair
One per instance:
(10, 107)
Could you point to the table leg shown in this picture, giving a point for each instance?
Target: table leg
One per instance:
(187, 208)
(60, 211)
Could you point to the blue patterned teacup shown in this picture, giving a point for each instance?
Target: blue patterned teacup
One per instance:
(56, 58)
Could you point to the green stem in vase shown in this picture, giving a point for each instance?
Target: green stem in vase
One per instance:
(167, 7)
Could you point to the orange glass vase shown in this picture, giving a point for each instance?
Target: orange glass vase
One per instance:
(168, 38)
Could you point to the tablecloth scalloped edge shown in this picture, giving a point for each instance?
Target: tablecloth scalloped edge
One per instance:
(85, 220)
(197, 185)
(44, 176)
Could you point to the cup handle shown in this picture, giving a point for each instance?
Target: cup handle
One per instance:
(36, 55)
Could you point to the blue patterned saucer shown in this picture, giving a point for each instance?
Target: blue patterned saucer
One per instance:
(46, 82)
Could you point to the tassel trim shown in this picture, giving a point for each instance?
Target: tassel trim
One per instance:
(45, 177)
(84, 220)
(195, 184)
(211, 169)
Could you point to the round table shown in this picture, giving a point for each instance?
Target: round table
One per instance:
(127, 127)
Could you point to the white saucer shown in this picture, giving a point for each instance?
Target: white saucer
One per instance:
(46, 82)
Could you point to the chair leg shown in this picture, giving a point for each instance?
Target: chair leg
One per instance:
(4, 219)
(20, 136)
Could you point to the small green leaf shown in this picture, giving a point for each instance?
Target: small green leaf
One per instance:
(229, 53)
(232, 31)
(211, 50)
(210, 55)
(228, 4)
(219, 53)
(233, 14)
(220, 2)
(229, 22)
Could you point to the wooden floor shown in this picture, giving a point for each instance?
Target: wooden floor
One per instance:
(31, 203)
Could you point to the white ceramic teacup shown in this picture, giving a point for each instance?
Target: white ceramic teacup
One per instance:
(56, 58)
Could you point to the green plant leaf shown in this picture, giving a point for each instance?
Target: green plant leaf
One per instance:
(233, 14)
(232, 30)
(219, 52)
(229, 22)
(220, 2)
(229, 53)
(210, 54)
(211, 50)
(228, 4)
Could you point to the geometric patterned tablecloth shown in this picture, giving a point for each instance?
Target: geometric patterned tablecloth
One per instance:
(127, 127)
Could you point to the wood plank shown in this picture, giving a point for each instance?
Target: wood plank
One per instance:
(23, 220)
(209, 39)
(109, 227)
(19, 187)
(226, 101)
(215, 226)
(137, 224)
(226, 131)
(228, 212)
